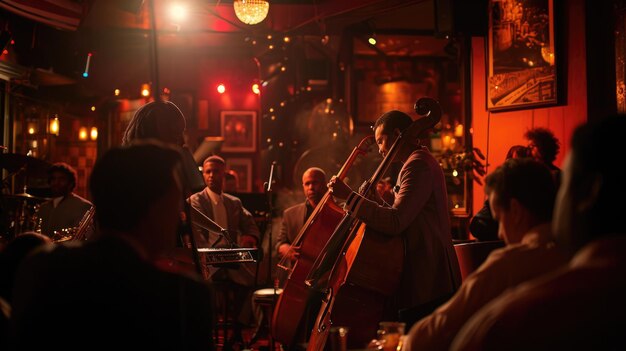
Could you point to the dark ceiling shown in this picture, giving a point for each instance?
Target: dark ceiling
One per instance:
(119, 32)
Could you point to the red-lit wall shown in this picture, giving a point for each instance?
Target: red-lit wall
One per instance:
(495, 132)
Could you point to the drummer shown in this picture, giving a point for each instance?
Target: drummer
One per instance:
(65, 209)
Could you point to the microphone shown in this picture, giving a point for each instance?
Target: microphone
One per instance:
(270, 182)
(214, 227)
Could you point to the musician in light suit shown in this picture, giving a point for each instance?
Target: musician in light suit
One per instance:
(228, 212)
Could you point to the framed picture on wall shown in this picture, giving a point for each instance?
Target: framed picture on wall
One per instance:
(239, 130)
(243, 168)
(521, 55)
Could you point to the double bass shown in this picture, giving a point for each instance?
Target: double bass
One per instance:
(292, 302)
(358, 270)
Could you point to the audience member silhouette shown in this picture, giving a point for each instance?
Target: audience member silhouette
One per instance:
(482, 226)
(544, 146)
(521, 193)
(106, 292)
(582, 306)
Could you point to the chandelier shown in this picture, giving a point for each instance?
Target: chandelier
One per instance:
(251, 11)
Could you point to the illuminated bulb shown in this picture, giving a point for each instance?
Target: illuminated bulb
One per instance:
(271, 109)
(93, 108)
(145, 90)
(31, 130)
(93, 133)
(54, 126)
(117, 92)
(178, 12)
(286, 39)
(458, 130)
(371, 40)
(251, 11)
(269, 37)
(82, 133)
(221, 88)
(256, 89)
(271, 47)
(455, 173)
(283, 69)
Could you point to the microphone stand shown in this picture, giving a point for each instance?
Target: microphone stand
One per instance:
(223, 232)
(267, 186)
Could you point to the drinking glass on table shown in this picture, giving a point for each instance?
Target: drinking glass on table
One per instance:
(390, 335)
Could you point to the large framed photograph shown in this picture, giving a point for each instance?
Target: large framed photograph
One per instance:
(242, 167)
(239, 131)
(521, 56)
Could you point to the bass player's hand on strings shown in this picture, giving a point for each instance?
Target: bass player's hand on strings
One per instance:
(339, 188)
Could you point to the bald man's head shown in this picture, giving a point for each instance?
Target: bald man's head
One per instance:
(314, 185)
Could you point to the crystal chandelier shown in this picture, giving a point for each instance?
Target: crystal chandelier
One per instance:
(251, 11)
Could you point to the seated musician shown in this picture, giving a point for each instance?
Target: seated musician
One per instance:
(294, 217)
(228, 212)
(65, 209)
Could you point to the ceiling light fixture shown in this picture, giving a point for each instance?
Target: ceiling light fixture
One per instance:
(251, 11)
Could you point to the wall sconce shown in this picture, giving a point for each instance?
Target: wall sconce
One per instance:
(55, 125)
(31, 128)
(82, 133)
(93, 133)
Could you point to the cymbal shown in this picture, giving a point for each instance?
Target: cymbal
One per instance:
(25, 196)
(13, 162)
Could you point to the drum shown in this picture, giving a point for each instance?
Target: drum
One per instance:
(265, 299)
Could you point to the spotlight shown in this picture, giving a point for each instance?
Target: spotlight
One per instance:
(178, 12)
(221, 88)
(371, 40)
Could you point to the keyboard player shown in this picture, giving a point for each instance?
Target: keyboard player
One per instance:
(228, 212)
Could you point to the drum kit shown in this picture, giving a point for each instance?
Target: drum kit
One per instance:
(18, 212)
